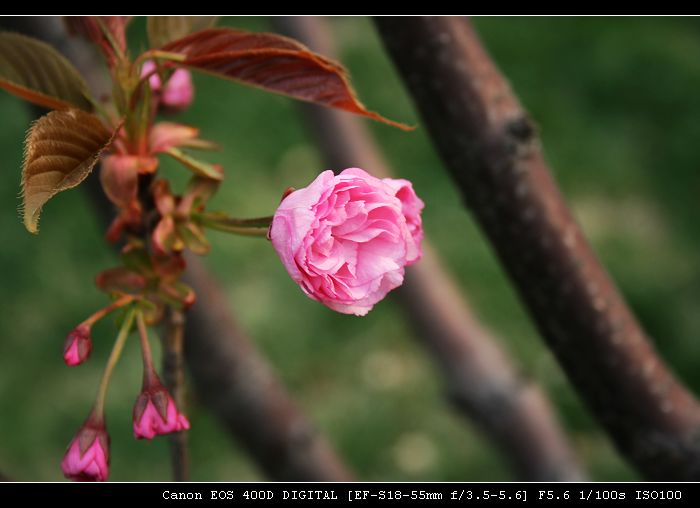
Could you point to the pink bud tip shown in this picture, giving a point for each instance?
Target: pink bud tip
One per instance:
(78, 346)
(179, 90)
(155, 413)
(149, 68)
(87, 456)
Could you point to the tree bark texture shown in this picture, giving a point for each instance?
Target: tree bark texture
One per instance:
(489, 145)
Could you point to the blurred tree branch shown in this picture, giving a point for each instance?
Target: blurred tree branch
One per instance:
(233, 379)
(173, 339)
(489, 145)
(241, 388)
(481, 379)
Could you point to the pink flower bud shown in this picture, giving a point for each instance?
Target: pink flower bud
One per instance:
(149, 68)
(87, 456)
(178, 92)
(155, 412)
(78, 346)
(345, 239)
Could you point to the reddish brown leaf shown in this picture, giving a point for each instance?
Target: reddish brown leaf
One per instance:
(169, 268)
(121, 280)
(274, 63)
(108, 32)
(38, 73)
(60, 151)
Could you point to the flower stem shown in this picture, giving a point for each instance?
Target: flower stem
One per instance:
(145, 348)
(242, 231)
(112, 361)
(116, 304)
(159, 54)
(247, 227)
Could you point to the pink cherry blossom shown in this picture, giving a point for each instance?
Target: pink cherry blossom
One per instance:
(411, 206)
(345, 239)
(156, 414)
(78, 346)
(87, 456)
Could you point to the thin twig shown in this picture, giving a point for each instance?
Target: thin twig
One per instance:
(489, 145)
(173, 339)
(481, 379)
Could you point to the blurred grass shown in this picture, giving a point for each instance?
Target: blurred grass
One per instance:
(617, 104)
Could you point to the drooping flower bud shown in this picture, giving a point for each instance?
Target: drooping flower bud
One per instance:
(78, 345)
(87, 456)
(155, 412)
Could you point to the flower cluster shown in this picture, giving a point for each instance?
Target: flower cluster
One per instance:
(153, 240)
(155, 412)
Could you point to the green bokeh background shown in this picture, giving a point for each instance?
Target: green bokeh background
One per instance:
(618, 105)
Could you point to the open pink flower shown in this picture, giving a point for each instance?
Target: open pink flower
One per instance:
(78, 346)
(87, 456)
(345, 239)
(156, 414)
(178, 92)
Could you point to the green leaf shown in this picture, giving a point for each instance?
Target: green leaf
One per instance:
(136, 258)
(193, 238)
(199, 190)
(61, 149)
(213, 171)
(38, 73)
(163, 29)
